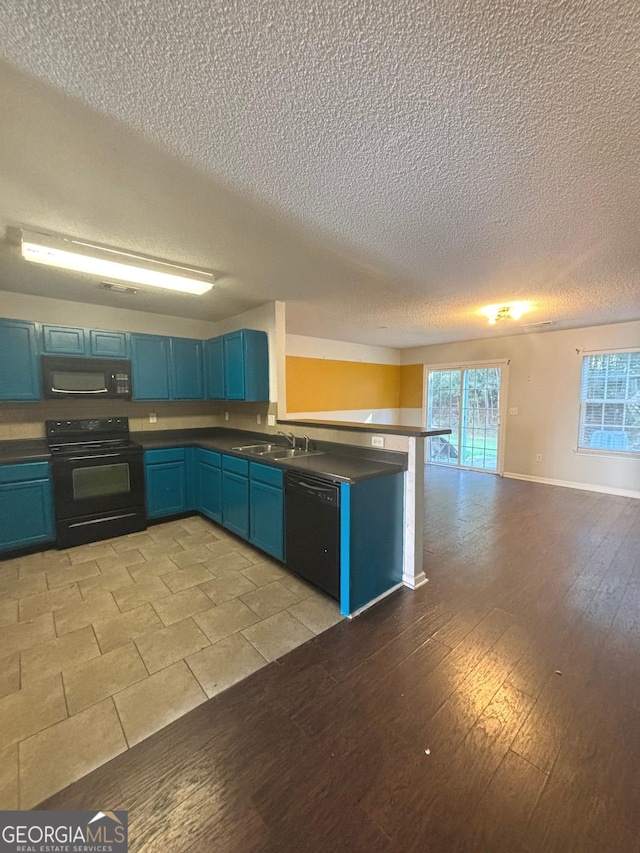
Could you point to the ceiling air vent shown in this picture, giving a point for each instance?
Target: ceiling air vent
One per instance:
(541, 325)
(118, 288)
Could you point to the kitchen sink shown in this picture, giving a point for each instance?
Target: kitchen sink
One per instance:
(259, 449)
(290, 453)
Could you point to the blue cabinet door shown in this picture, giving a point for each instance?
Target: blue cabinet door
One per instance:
(235, 503)
(187, 382)
(64, 340)
(234, 362)
(150, 367)
(26, 506)
(208, 484)
(267, 518)
(107, 344)
(256, 365)
(246, 365)
(214, 360)
(166, 484)
(19, 367)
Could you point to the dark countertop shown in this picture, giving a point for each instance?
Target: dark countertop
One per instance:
(337, 462)
(385, 429)
(24, 450)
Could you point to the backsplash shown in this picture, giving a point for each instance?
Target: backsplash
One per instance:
(26, 420)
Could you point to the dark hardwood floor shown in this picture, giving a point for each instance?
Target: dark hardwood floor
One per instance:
(517, 666)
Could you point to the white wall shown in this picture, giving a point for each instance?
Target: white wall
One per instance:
(305, 347)
(544, 384)
(40, 309)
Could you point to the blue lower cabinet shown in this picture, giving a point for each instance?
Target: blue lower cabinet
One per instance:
(235, 495)
(166, 482)
(371, 537)
(266, 513)
(208, 477)
(26, 505)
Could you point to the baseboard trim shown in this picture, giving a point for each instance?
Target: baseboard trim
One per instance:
(585, 487)
(413, 582)
(375, 601)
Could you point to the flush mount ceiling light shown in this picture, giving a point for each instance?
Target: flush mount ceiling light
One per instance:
(508, 311)
(79, 256)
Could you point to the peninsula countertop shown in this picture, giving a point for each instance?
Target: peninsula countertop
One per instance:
(339, 462)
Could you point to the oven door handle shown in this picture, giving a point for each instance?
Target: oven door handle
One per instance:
(103, 520)
(93, 456)
(63, 391)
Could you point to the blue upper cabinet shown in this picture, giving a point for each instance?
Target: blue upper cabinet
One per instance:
(107, 344)
(245, 361)
(150, 367)
(214, 362)
(19, 368)
(187, 380)
(234, 366)
(167, 368)
(64, 340)
(69, 340)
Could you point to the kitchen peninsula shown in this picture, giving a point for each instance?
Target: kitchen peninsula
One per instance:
(411, 440)
(216, 472)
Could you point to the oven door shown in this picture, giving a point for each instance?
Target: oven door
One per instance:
(101, 483)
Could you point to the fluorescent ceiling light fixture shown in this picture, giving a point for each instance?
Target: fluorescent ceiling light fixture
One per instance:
(506, 311)
(79, 256)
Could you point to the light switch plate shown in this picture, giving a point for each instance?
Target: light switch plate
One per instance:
(152, 418)
(513, 410)
(271, 420)
(226, 416)
(377, 441)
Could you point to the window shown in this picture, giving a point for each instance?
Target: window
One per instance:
(610, 402)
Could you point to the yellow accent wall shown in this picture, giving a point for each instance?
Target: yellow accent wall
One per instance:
(325, 385)
(411, 386)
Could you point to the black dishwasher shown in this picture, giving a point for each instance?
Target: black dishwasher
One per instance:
(312, 510)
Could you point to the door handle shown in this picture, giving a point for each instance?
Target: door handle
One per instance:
(62, 391)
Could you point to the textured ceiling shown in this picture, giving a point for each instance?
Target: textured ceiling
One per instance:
(374, 165)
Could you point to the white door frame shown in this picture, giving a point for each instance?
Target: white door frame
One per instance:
(503, 364)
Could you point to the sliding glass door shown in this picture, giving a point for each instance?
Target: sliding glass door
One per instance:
(466, 400)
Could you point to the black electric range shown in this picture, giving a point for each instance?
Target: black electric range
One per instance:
(98, 479)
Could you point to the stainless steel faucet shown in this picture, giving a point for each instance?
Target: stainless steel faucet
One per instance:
(306, 443)
(290, 436)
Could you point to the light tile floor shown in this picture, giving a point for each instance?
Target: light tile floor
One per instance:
(104, 644)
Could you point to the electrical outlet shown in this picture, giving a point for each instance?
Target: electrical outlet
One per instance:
(226, 416)
(152, 417)
(538, 457)
(377, 441)
(258, 419)
(271, 420)
(513, 410)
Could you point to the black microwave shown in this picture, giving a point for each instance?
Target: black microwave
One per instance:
(72, 376)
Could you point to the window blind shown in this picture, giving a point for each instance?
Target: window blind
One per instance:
(610, 402)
